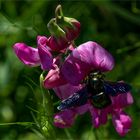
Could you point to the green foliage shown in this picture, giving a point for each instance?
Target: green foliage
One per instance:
(113, 24)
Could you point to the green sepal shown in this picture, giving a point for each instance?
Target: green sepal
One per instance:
(61, 20)
(54, 29)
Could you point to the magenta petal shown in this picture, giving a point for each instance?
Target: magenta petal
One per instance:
(74, 71)
(54, 78)
(28, 55)
(58, 44)
(103, 116)
(122, 123)
(126, 121)
(85, 58)
(64, 119)
(95, 117)
(122, 100)
(42, 40)
(66, 90)
(82, 109)
(45, 56)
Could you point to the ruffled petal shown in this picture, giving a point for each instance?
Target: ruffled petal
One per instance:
(85, 58)
(64, 119)
(45, 56)
(28, 55)
(54, 78)
(122, 123)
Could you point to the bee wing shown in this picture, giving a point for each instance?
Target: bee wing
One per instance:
(77, 99)
(115, 88)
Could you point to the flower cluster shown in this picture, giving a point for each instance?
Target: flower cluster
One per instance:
(68, 66)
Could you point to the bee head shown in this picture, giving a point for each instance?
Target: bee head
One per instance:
(96, 75)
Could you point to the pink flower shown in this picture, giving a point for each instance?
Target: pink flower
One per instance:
(121, 121)
(83, 59)
(35, 56)
(66, 118)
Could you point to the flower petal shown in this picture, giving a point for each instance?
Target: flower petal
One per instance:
(95, 117)
(122, 123)
(122, 100)
(43, 40)
(54, 78)
(103, 116)
(58, 44)
(45, 56)
(28, 55)
(85, 58)
(64, 119)
(66, 90)
(82, 109)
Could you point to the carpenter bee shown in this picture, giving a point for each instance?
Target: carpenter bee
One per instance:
(97, 91)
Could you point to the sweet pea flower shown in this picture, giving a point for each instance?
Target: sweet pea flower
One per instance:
(35, 56)
(83, 59)
(121, 121)
(66, 118)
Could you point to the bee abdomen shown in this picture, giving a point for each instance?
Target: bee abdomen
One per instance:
(101, 100)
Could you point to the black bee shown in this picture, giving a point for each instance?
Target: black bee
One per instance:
(97, 90)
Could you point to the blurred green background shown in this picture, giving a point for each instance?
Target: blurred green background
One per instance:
(113, 24)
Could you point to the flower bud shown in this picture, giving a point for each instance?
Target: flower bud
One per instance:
(70, 25)
(58, 39)
(63, 30)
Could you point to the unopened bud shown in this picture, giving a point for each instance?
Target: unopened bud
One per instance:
(63, 30)
(70, 25)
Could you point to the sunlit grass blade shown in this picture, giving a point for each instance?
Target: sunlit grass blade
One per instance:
(18, 123)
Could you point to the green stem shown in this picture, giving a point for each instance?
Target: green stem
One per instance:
(41, 83)
(68, 134)
(58, 12)
(96, 135)
(46, 113)
(17, 123)
(54, 29)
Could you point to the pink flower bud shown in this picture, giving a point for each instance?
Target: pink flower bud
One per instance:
(63, 30)
(70, 26)
(57, 41)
